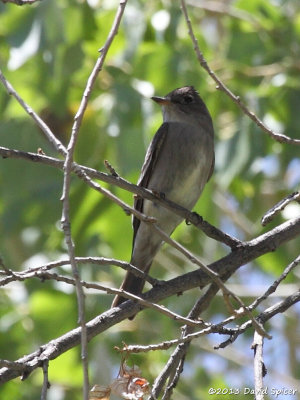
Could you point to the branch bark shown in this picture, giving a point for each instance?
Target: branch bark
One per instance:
(221, 86)
(259, 366)
(122, 183)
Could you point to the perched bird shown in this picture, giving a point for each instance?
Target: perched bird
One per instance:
(178, 163)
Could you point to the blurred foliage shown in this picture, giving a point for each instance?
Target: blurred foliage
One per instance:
(47, 52)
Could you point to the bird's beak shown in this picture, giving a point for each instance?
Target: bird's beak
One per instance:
(161, 100)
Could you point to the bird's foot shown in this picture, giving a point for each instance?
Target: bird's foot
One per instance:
(160, 195)
(196, 216)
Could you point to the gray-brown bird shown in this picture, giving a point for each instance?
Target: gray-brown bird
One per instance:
(178, 163)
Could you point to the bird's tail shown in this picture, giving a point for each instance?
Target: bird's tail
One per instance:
(131, 284)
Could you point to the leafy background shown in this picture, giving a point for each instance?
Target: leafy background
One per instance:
(47, 52)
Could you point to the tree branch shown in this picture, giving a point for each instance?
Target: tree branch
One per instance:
(264, 317)
(275, 284)
(40, 123)
(269, 215)
(225, 267)
(189, 216)
(21, 2)
(221, 86)
(259, 366)
(46, 383)
(11, 275)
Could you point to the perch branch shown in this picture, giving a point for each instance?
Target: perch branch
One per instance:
(225, 267)
(192, 217)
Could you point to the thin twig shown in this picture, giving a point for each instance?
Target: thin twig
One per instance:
(110, 168)
(161, 309)
(104, 321)
(85, 173)
(45, 275)
(178, 355)
(65, 220)
(181, 350)
(40, 123)
(259, 366)
(166, 344)
(21, 2)
(221, 86)
(215, 278)
(264, 316)
(11, 276)
(46, 384)
(192, 217)
(269, 215)
(275, 284)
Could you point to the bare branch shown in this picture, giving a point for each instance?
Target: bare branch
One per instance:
(275, 284)
(110, 168)
(10, 275)
(40, 123)
(177, 357)
(269, 215)
(65, 219)
(209, 328)
(215, 274)
(46, 384)
(221, 86)
(264, 316)
(44, 275)
(259, 366)
(21, 2)
(225, 267)
(65, 222)
(189, 216)
(279, 307)
(214, 277)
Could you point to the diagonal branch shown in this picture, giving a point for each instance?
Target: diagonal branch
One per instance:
(225, 267)
(264, 316)
(10, 275)
(270, 214)
(44, 275)
(214, 277)
(40, 123)
(275, 284)
(221, 86)
(21, 2)
(174, 365)
(189, 216)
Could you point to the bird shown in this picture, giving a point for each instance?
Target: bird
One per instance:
(178, 163)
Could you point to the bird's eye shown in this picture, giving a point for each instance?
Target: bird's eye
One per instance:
(187, 99)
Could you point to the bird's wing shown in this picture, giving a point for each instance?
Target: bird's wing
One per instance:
(151, 158)
(212, 167)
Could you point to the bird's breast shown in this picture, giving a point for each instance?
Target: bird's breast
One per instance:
(184, 164)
